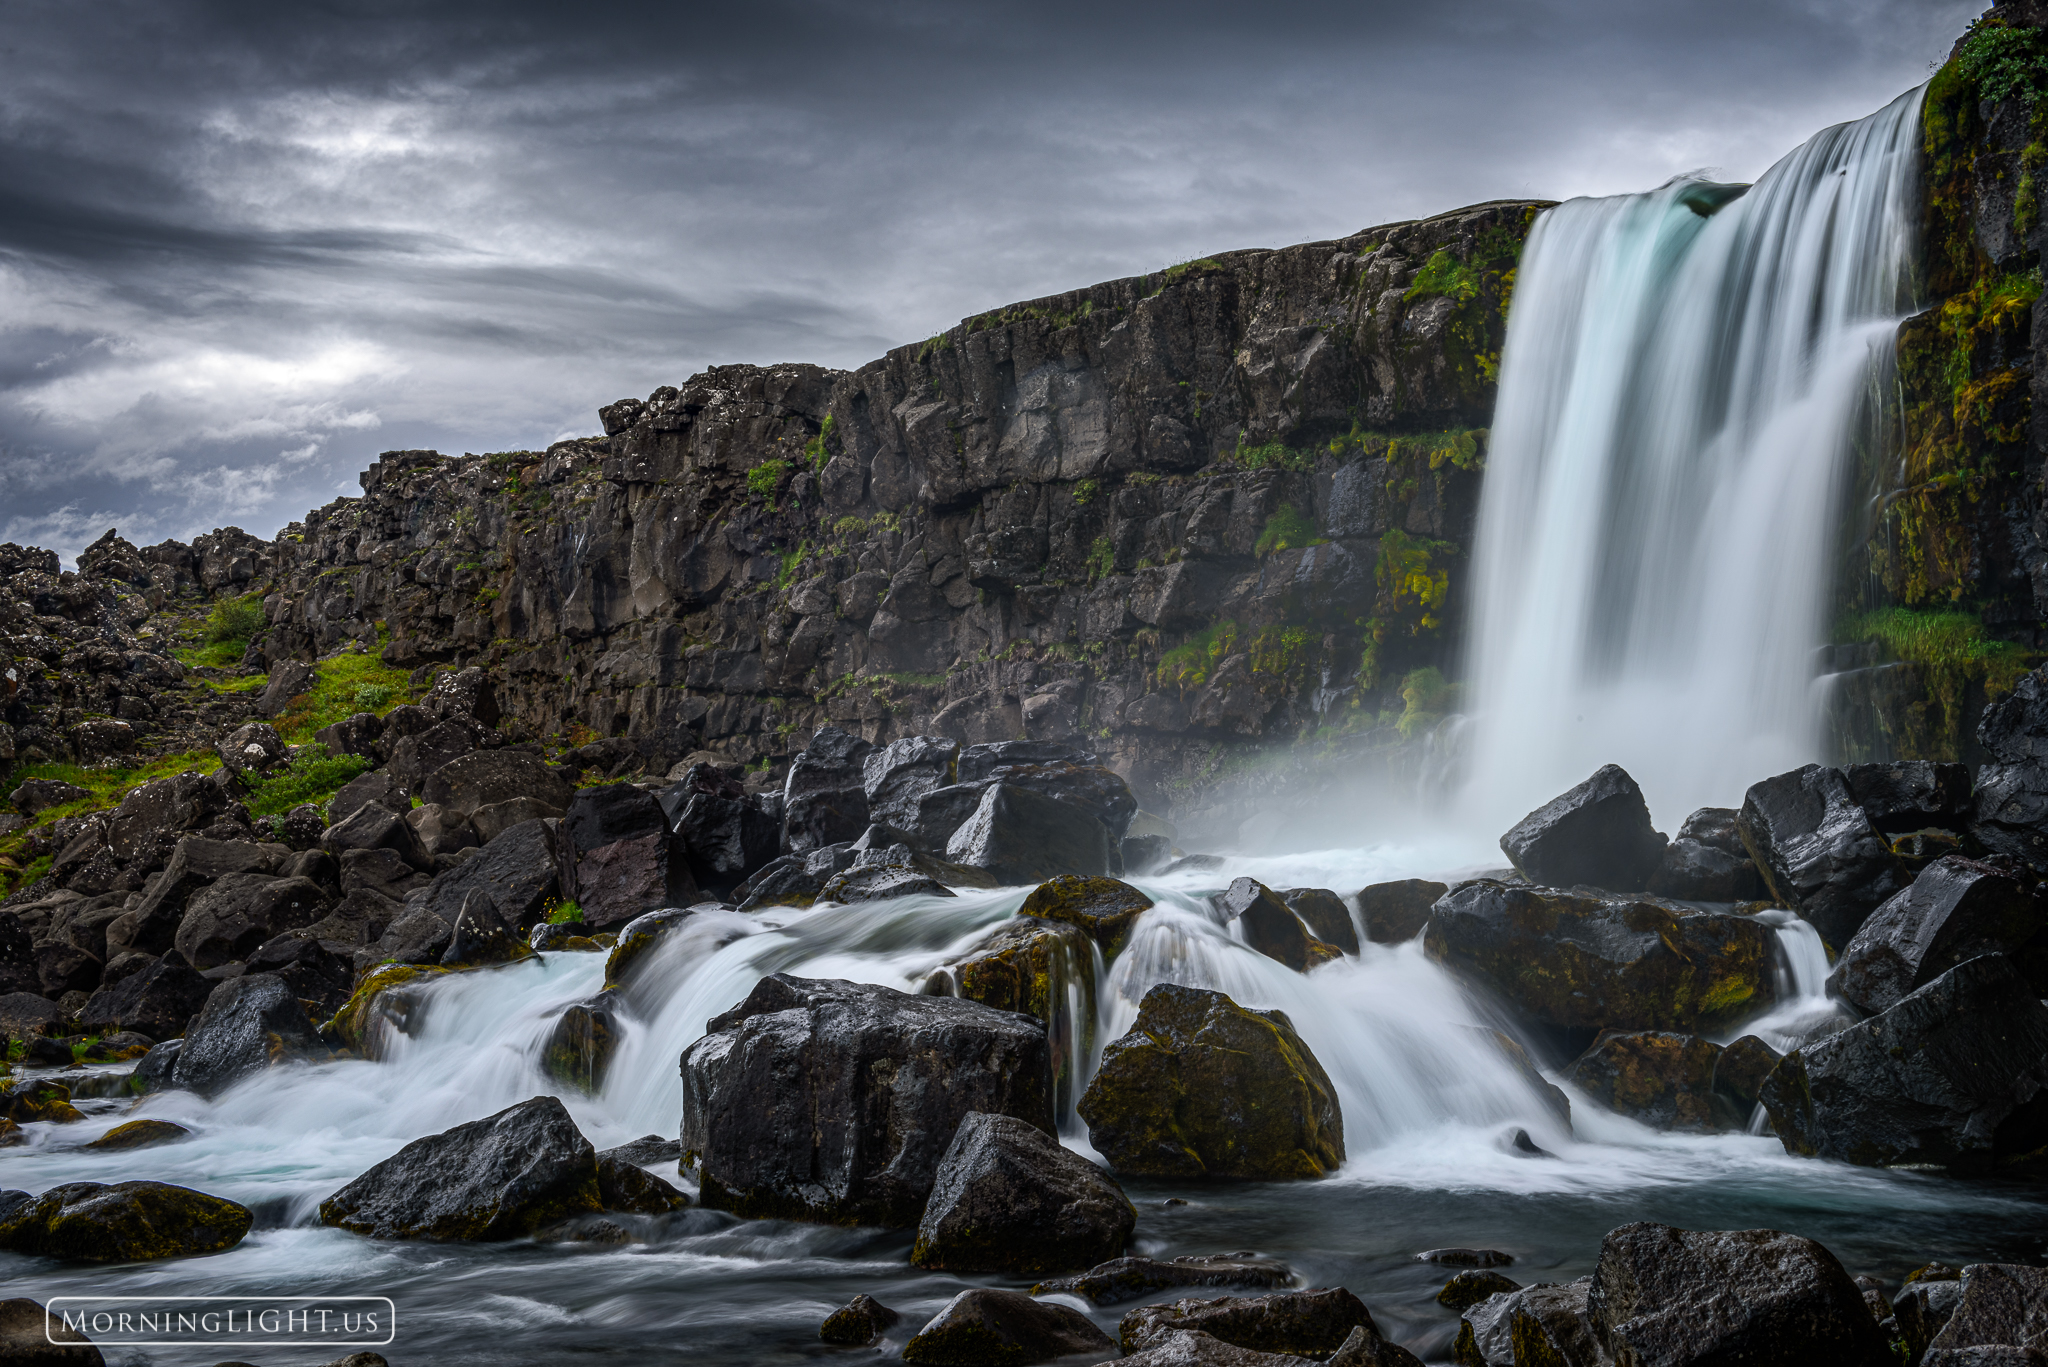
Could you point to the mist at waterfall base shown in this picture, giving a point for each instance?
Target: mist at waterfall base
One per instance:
(1679, 364)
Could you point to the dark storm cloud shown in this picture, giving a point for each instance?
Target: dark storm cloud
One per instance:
(243, 247)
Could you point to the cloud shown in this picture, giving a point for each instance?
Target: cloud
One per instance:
(243, 247)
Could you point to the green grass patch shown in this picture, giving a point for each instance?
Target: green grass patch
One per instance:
(1101, 559)
(566, 914)
(1286, 530)
(814, 449)
(312, 776)
(1188, 664)
(345, 682)
(764, 479)
(2004, 62)
(1445, 276)
(1950, 646)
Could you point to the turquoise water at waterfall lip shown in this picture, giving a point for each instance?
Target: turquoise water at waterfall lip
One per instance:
(1427, 1103)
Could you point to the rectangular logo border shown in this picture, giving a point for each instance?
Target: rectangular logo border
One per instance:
(51, 1309)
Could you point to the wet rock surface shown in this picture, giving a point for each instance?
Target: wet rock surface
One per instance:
(1008, 1198)
(1598, 833)
(1954, 910)
(858, 1323)
(1310, 1324)
(986, 1328)
(1662, 1080)
(1271, 927)
(248, 1024)
(1818, 850)
(1125, 1279)
(93, 1222)
(1105, 908)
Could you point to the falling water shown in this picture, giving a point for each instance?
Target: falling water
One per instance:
(1681, 391)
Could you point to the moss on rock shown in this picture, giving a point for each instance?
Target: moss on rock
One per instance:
(1106, 908)
(129, 1222)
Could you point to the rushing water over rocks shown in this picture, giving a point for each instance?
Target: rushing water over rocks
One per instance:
(1685, 377)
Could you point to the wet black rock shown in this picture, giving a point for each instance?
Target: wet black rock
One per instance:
(1192, 1348)
(825, 797)
(1325, 915)
(1955, 910)
(1598, 833)
(626, 1186)
(880, 883)
(1922, 1308)
(1105, 908)
(1911, 794)
(989, 1328)
(835, 1101)
(155, 1070)
(230, 919)
(374, 826)
(579, 1050)
(158, 1001)
(2010, 810)
(352, 735)
(91, 1222)
(248, 1024)
(1657, 1078)
(1304, 1323)
(1577, 961)
(727, 834)
(1706, 862)
(2000, 1306)
(605, 813)
(18, 969)
(1271, 927)
(517, 872)
(1202, 1087)
(504, 1177)
(480, 935)
(858, 1323)
(1545, 1325)
(1126, 1279)
(1465, 1257)
(480, 778)
(1818, 850)
(26, 1332)
(1952, 1075)
(1018, 835)
(1663, 1295)
(1740, 1071)
(897, 776)
(1467, 1289)
(1008, 1198)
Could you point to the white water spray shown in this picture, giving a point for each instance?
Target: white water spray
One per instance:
(1681, 391)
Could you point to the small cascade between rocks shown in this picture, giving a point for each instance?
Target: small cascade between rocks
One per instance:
(1687, 376)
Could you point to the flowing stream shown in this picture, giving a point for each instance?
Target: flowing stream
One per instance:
(1684, 373)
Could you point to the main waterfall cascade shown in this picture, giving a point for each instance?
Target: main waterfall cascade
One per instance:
(1686, 375)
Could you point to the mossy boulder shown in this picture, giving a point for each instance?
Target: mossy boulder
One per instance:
(858, 1323)
(503, 1177)
(91, 1222)
(1580, 961)
(1034, 966)
(140, 1134)
(1202, 1087)
(1325, 915)
(990, 1328)
(29, 1101)
(579, 1050)
(1106, 908)
(1660, 1079)
(386, 1000)
(641, 934)
(1271, 927)
(1467, 1289)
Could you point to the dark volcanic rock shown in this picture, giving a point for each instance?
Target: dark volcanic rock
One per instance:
(1305, 1323)
(376, 786)
(1008, 1198)
(1103, 907)
(615, 883)
(1955, 910)
(152, 923)
(1672, 1296)
(1935, 1079)
(247, 1024)
(158, 1001)
(897, 776)
(1021, 836)
(138, 1134)
(579, 1050)
(1663, 1080)
(2001, 1305)
(824, 799)
(727, 834)
(1911, 794)
(858, 1323)
(1126, 1279)
(1465, 1257)
(238, 913)
(835, 1101)
(988, 1328)
(1740, 1071)
(626, 1186)
(1325, 915)
(1545, 1325)
(480, 778)
(1706, 862)
(1467, 1289)
(373, 826)
(1574, 961)
(1818, 851)
(1202, 1087)
(2010, 810)
(611, 812)
(89, 1222)
(480, 935)
(1271, 928)
(880, 883)
(26, 1332)
(1598, 833)
(516, 871)
(19, 971)
(503, 1177)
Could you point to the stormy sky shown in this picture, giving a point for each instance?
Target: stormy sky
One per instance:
(244, 247)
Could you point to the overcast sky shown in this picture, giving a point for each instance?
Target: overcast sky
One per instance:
(244, 247)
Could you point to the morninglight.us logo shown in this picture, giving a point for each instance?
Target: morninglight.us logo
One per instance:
(222, 1321)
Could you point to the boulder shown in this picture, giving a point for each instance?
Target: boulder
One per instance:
(241, 911)
(1101, 792)
(793, 880)
(39, 795)
(1956, 909)
(516, 871)
(579, 1049)
(1325, 915)
(374, 826)
(128, 1222)
(727, 834)
(500, 1178)
(254, 748)
(19, 971)
(1740, 1071)
(611, 812)
(824, 798)
(381, 871)
(881, 882)
(25, 1016)
(2009, 813)
(247, 1024)
(138, 1134)
(2000, 1305)
(416, 759)
(1272, 929)
(1008, 1198)
(1103, 907)
(1707, 862)
(441, 830)
(989, 1328)
(288, 679)
(1467, 1289)
(463, 695)
(1952, 1075)
(615, 883)
(1021, 836)
(978, 762)
(28, 1100)
(1911, 794)
(494, 819)
(626, 1186)
(26, 1334)
(939, 813)
(152, 924)
(153, 1071)
(481, 778)
(1818, 851)
(1041, 968)
(896, 776)
(834, 1101)
(1310, 1324)
(1658, 1079)
(1545, 1325)
(387, 1000)
(1923, 1307)
(1192, 1348)
(417, 935)
(1202, 1087)
(1598, 833)
(66, 968)
(376, 786)
(154, 814)
(480, 935)
(640, 935)
(353, 735)
(1126, 1279)
(858, 1323)
(158, 1001)
(1395, 913)
(1671, 1296)
(1576, 961)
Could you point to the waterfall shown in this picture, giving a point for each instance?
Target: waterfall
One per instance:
(1685, 377)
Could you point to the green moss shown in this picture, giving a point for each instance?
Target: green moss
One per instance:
(792, 561)
(765, 479)
(1286, 530)
(1085, 491)
(1951, 650)
(1198, 266)
(342, 682)
(814, 449)
(1445, 276)
(1282, 653)
(1426, 697)
(566, 914)
(1188, 665)
(2004, 62)
(312, 776)
(1101, 559)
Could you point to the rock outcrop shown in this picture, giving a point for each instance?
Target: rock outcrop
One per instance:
(1008, 1198)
